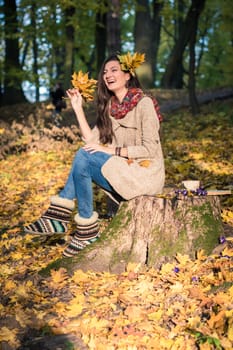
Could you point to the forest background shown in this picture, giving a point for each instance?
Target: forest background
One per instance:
(188, 44)
(187, 304)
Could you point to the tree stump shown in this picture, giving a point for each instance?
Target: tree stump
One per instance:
(152, 230)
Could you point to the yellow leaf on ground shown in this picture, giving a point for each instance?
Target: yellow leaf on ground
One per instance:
(9, 285)
(75, 307)
(217, 321)
(135, 313)
(58, 277)
(9, 336)
(183, 259)
(79, 277)
(22, 318)
(201, 255)
(73, 310)
(227, 251)
(133, 267)
(155, 316)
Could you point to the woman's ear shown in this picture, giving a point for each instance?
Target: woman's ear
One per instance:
(127, 76)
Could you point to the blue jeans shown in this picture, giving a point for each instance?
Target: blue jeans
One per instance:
(86, 169)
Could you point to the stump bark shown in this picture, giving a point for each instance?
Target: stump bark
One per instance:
(151, 230)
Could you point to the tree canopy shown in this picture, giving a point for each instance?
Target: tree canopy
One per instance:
(44, 42)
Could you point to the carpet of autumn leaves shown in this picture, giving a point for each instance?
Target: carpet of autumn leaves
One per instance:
(187, 304)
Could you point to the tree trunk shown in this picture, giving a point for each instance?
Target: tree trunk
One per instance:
(69, 47)
(169, 78)
(35, 52)
(192, 70)
(147, 40)
(100, 38)
(179, 22)
(152, 230)
(113, 28)
(12, 90)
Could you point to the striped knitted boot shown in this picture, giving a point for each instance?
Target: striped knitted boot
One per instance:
(55, 220)
(86, 233)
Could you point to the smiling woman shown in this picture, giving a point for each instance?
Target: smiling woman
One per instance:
(120, 152)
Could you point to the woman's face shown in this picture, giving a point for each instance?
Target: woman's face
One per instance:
(115, 79)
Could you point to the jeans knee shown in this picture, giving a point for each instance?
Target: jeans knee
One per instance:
(81, 162)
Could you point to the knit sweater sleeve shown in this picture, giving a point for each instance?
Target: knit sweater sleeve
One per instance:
(149, 143)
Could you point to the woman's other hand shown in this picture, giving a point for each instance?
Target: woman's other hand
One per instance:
(95, 147)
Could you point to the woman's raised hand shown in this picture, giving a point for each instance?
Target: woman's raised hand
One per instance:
(75, 97)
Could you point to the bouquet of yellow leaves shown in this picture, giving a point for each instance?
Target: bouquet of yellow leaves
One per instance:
(130, 62)
(85, 85)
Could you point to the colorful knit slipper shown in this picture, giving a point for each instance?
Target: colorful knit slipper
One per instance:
(87, 232)
(55, 220)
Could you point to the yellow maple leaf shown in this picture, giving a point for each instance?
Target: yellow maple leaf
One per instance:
(167, 268)
(182, 259)
(9, 335)
(74, 310)
(227, 251)
(205, 346)
(10, 285)
(130, 62)
(217, 321)
(40, 314)
(133, 267)
(79, 277)
(230, 329)
(230, 291)
(58, 278)
(17, 255)
(135, 313)
(201, 255)
(177, 287)
(60, 308)
(75, 307)
(145, 163)
(85, 85)
(22, 318)
(20, 293)
(156, 315)
(95, 323)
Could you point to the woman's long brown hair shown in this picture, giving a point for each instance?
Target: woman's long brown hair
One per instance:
(104, 95)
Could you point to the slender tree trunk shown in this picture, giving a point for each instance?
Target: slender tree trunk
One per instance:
(56, 69)
(35, 52)
(179, 23)
(12, 82)
(169, 78)
(156, 34)
(69, 47)
(192, 69)
(147, 40)
(100, 38)
(113, 28)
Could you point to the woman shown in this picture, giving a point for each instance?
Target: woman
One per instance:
(122, 154)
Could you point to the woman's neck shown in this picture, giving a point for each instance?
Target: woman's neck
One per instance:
(121, 94)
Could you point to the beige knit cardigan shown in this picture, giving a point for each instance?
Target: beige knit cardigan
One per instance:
(139, 132)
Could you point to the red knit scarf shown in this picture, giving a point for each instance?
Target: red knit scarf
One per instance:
(134, 95)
